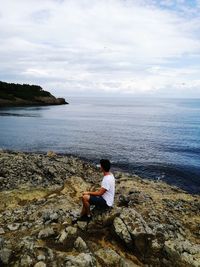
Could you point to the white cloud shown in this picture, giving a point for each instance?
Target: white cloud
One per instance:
(109, 45)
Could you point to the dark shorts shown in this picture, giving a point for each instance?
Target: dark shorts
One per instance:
(98, 201)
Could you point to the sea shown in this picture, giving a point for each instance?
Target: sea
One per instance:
(154, 138)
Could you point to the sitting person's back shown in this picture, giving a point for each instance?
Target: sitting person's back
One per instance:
(109, 184)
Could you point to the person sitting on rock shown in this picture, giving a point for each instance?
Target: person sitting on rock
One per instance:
(102, 198)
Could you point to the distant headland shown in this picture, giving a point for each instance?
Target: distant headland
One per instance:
(12, 94)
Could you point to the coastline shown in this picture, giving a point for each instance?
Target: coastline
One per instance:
(115, 166)
(42, 102)
(17, 95)
(152, 223)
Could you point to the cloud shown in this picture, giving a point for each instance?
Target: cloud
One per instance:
(109, 45)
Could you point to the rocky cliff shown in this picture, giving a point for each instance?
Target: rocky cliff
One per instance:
(24, 95)
(151, 224)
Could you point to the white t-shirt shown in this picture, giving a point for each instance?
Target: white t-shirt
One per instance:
(108, 183)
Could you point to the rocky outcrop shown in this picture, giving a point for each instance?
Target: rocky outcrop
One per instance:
(26, 95)
(151, 224)
(37, 101)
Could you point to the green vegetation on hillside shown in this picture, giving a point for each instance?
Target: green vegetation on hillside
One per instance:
(10, 91)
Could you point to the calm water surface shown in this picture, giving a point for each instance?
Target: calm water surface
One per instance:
(154, 138)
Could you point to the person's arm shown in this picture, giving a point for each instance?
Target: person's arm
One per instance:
(100, 192)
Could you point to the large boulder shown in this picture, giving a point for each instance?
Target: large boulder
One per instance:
(131, 228)
(122, 231)
(102, 218)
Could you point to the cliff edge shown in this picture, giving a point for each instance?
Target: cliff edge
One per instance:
(26, 95)
(151, 223)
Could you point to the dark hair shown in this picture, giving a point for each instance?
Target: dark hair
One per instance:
(105, 164)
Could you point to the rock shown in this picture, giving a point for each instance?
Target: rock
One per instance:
(51, 154)
(49, 216)
(13, 227)
(45, 233)
(27, 243)
(52, 195)
(41, 257)
(61, 101)
(123, 201)
(127, 263)
(108, 257)
(133, 197)
(2, 242)
(68, 236)
(80, 245)
(40, 264)
(2, 231)
(62, 237)
(102, 218)
(80, 260)
(82, 225)
(5, 255)
(26, 261)
(183, 252)
(186, 246)
(122, 231)
(54, 217)
(134, 231)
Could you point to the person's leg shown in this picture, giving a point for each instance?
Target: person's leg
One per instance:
(86, 205)
(98, 202)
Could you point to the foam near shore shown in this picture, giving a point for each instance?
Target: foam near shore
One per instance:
(151, 223)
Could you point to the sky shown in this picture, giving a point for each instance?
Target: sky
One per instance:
(102, 47)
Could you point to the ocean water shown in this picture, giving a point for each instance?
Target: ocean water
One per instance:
(154, 138)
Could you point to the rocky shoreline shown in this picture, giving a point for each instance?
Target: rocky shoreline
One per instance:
(151, 224)
(39, 101)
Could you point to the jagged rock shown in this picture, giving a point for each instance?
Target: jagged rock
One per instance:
(45, 233)
(122, 231)
(80, 260)
(134, 231)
